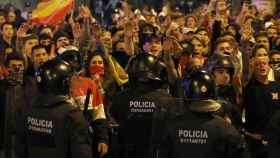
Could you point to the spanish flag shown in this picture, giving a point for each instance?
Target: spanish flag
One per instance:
(51, 11)
(119, 74)
(78, 91)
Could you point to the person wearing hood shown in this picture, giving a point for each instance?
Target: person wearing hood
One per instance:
(61, 39)
(275, 63)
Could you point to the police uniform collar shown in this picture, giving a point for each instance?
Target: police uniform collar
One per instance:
(204, 106)
(52, 100)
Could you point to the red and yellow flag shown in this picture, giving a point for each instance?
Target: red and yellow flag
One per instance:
(51, 11)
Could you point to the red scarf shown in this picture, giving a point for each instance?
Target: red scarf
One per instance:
(96, 69)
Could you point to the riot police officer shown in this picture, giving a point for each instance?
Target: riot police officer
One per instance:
(225, 90)
(199, 133)
(143, 108)
(53, 126)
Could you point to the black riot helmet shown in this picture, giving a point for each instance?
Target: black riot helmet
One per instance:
(200, 92)
(145, 67)
(200, 86)
(72, 57)
(224, 62)
(54, 77)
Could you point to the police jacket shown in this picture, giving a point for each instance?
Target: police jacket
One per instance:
(228, 98)
(52, 127)
(201, 135)
(30, 88)
(141, 113)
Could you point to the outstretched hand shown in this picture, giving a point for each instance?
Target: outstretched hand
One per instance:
(22, 31)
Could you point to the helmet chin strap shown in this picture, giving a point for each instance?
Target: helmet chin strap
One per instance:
(77, 71)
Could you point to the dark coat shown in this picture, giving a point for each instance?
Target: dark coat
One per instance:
(141, 113)
(201, 135)
(53, 127)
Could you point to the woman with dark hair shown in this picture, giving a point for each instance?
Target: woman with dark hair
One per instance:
(13, 15)
(98, 69)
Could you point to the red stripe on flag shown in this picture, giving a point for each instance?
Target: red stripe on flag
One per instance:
(56, 16)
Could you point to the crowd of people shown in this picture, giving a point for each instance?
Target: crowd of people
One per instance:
(149, 82)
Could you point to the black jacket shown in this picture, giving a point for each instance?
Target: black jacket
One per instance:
(273, 136)
(141, 113)
(260, 101)
(52, 127)
(3, 88)
(198, 135)
(228, 96)
(11, 99)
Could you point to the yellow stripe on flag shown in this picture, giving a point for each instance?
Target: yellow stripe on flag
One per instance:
(51, 11)
(46, 8)
(119, 73)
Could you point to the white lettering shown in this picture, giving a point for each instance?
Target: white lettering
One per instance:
(39, 125)
(193, 136)
(142, 104)
(193, 133)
